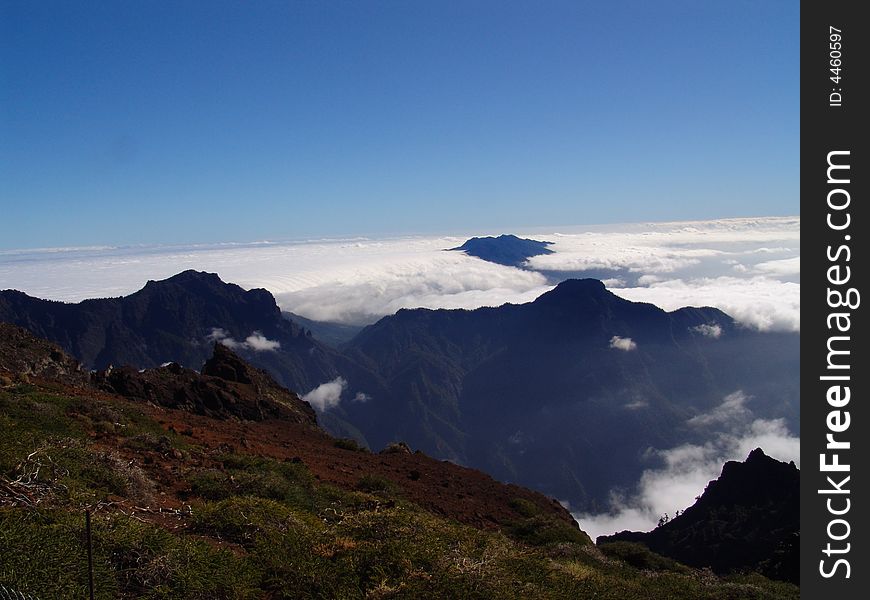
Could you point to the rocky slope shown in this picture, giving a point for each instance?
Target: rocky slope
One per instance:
(226, 387)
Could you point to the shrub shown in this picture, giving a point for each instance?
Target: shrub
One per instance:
(376, 484)
(349, 444)
(641, 557)
(525, 507)
(540, 530)
(242, 519)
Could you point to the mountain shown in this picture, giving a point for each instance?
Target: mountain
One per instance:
(565, 394)
(179, 320)
(747, 519)
(176, 320)
(508, 250)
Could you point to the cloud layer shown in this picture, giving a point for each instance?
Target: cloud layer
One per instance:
(749, 268)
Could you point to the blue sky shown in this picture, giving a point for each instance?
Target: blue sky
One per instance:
(175, 122)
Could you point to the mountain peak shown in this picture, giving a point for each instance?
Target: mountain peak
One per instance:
(573, 291)
(191, 277)
(747, 518)
(585, 286)
(194, 275)
(756, 455)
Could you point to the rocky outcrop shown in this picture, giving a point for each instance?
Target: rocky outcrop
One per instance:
(22, 356)
(747, 519)
(227, 387)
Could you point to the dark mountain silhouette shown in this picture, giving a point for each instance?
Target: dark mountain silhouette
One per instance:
(747, 519)
(178, 320)
(539, 394)
(507, 250)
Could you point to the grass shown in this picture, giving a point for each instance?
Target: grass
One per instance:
(131, 559)
(374, 484)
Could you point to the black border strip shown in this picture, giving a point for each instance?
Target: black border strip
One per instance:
(832, 112)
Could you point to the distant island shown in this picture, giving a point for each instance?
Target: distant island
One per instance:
(507, 249)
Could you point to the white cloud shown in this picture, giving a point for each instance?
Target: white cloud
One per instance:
(447, 280)
(733, 408)
(326, 395)
(361, 397)
(256, 341)
(759, 302)
(624, 344)
(685, 470)
(644, 280)
(663, 248)
(222, 335)
(613, 282)
(636, 404)
(782, 268)
(711, 330)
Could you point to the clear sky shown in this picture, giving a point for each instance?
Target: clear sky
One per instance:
(171, 122)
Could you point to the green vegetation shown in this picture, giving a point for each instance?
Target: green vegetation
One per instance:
(349, 444)
(377, 485)
(641, 557)
(263, 528)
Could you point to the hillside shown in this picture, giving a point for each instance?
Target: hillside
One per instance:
(189, 503)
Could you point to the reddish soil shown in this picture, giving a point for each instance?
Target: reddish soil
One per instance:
(466, 495)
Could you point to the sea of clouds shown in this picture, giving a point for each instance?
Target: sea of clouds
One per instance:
(749, 268)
